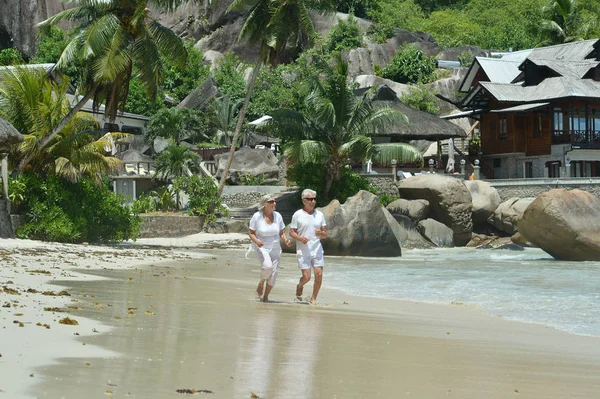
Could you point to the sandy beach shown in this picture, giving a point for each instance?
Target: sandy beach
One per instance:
(175, 314)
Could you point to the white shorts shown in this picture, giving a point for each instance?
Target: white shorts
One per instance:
(308, 261)
(269, 261)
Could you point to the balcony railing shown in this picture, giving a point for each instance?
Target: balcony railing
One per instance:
(577, 138)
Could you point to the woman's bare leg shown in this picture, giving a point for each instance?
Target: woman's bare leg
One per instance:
(267, 292)
(260, 288)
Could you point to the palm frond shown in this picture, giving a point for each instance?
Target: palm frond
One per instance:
(168, 43)
(402, 152)
(359, 148)
(307, 151)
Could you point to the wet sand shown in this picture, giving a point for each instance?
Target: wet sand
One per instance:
(187, 320)
(194, 324)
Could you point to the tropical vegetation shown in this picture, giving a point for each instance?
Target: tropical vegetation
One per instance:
(334, 128)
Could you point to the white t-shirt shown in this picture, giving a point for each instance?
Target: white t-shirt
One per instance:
(305, 225)
(267, 233)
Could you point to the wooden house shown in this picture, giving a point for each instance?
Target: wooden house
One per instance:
(539, 111)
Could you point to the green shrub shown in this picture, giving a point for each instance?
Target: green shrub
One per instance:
(165, 199)
(58, 210)
(386, 199)
(422, 98)
(202, 197)
(248, 180)
(11, 56)
(344, 35)
(410, 65)
(144, 204)
(465, 58)
(313, 176)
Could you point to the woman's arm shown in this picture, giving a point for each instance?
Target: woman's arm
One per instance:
(284, 238)
(254, 238)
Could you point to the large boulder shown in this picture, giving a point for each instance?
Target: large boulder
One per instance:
(449, 199)
(360, 227)
(254, 162)
(508, 213)
(485, 200)
(566, 224)
(436, 232)
(406, 232)
(362, 61)
(415, 210)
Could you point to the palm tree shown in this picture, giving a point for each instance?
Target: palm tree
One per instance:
(176, 161)
(335, 126)
(177, 124)
(272, 24)
(225, 111)
(35, 105)
(564, 23)
(114, 40)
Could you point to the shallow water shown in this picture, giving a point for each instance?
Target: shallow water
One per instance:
(196, 327)
(528, 286)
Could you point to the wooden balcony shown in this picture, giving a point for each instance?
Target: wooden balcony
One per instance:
(583, 139)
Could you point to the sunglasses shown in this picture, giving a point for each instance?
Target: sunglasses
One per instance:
(271, 201)
(310, 199)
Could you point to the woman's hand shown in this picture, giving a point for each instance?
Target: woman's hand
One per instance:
(287, 242)
(258, 243)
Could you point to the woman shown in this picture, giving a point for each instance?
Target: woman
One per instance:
(266, 227)
(308, 228)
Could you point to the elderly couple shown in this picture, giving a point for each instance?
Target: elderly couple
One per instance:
(307, 228)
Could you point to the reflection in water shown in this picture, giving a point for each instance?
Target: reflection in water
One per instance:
(301, 354)
(279, 366)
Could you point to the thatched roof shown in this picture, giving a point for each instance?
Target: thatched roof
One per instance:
(421, 126)
(8, 134)
(133, 156)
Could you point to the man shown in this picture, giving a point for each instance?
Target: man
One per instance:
(308, 228)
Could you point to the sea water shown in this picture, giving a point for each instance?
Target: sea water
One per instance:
(528, 286)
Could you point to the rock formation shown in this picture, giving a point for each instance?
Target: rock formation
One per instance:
(485, 200)
(360, 226)
(449, 200)
(565, 224)
(508, 213)
(249, 161)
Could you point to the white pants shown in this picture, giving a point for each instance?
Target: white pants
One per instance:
(269, 260)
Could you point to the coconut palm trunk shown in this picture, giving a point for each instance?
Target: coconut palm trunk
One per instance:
(238, 127)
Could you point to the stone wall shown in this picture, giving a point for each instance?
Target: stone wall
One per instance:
(384, 183)
(169, 226)
(242, 199)
(533, 187)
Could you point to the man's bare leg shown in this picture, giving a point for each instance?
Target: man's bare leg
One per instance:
(260, 288)
(303, 280)
(267, 292)
(317, 284)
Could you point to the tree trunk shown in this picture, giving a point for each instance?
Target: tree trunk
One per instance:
(46, 140)
(238, 127)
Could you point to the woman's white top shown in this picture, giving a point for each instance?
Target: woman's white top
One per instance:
(267, 233)
(305, 225)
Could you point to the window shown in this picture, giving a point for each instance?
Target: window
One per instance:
(558, 120)
(577, 119)
(528, 166)
(132, 129)
(553, 168)
(111, 127)
(502, 127)
(496, 163)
